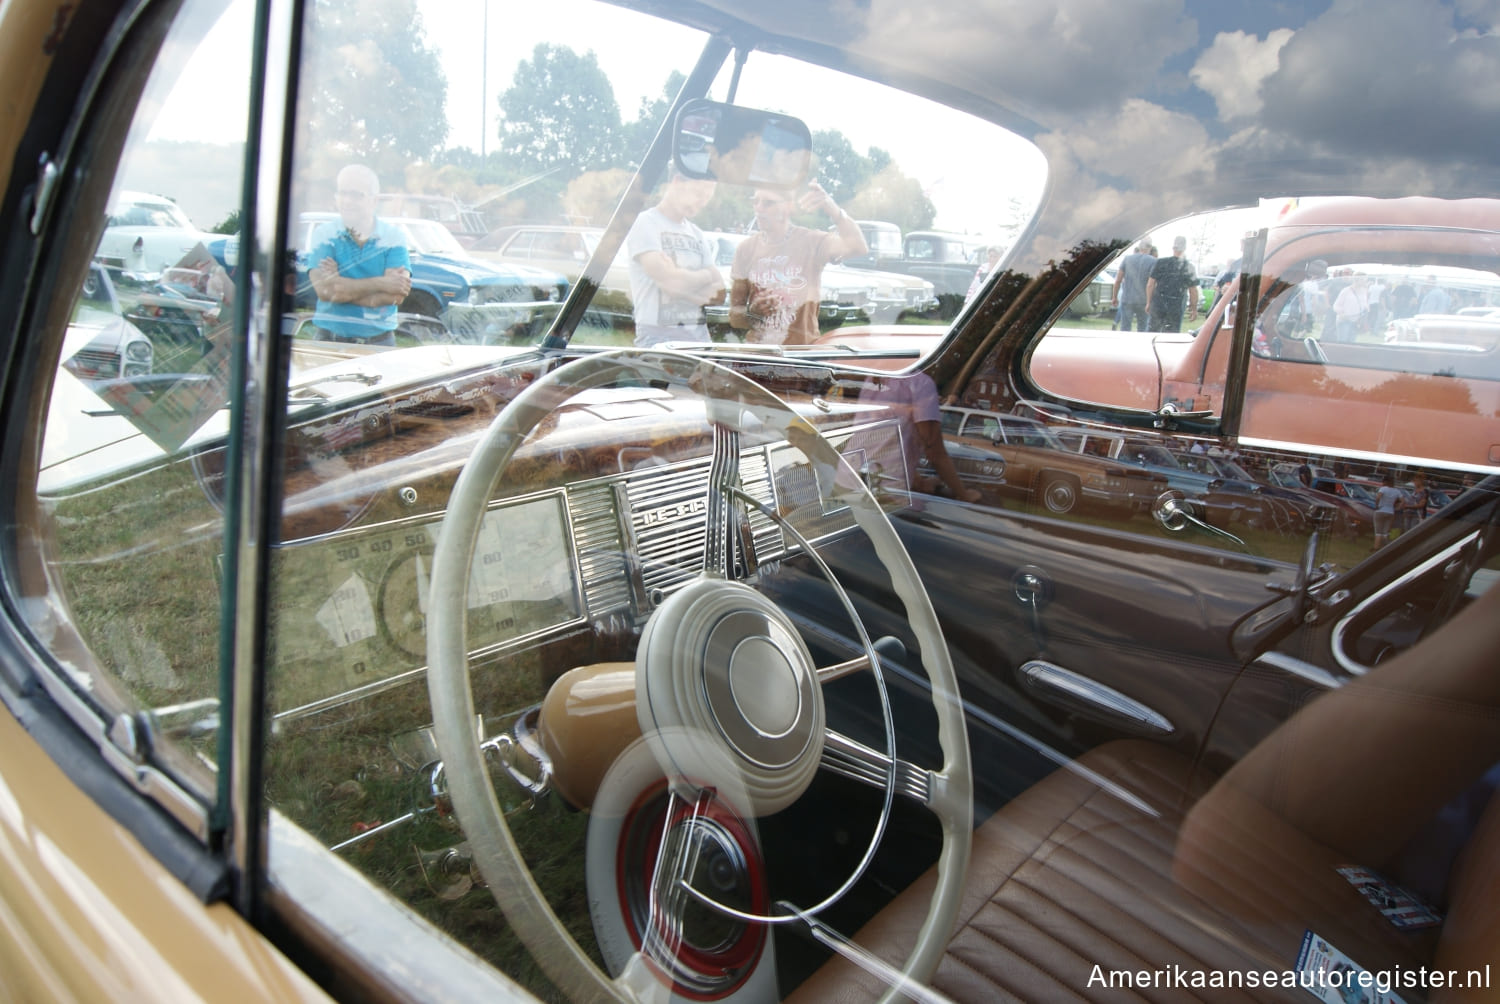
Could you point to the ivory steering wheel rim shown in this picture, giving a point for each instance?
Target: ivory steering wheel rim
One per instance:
(494, 850)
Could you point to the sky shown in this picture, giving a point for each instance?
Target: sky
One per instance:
(962, 183)
(1139, 107)
(960, 177)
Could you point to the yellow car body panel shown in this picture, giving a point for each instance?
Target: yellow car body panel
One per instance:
(29, 33)
(87, 914)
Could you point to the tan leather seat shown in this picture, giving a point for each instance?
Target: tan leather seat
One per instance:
(1126, 860)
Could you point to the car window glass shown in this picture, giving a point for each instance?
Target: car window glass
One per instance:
(1413, 330)
(563, 157)
(134, 441)
(1380, 309)
(384, 373)
(519, 245)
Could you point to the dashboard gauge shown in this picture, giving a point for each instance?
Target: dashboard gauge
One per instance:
(370, 625)
(401, 608)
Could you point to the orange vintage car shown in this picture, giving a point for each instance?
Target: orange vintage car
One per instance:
(1381, 393)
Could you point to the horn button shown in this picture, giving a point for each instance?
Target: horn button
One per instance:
(719, 663)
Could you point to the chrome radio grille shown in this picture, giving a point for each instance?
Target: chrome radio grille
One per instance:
(600, 547)
(663, 523)
(640, 535)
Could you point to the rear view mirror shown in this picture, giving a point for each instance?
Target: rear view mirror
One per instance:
(741, 146)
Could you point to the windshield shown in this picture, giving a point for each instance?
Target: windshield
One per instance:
(876, 163)
(428, 237)
(1230, 469)
(150, 214)
(1154, 456)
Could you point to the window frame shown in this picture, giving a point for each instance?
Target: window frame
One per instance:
(99, 75)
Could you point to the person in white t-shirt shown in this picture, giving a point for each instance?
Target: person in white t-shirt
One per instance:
(1387, 498)
(1349, 309)
(672, 268)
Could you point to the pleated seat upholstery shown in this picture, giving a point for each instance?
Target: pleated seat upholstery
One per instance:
(1128, 860)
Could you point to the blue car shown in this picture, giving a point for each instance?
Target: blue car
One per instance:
(453, 295)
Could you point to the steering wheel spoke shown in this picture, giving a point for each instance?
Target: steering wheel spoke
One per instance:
(853, 759)
(722, 514)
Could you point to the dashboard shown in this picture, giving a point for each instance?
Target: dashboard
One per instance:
(602, 550)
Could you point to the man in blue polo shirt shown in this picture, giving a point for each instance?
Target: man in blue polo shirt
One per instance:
(361, 268)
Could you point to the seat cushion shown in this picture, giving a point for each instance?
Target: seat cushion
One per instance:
(1074, 879)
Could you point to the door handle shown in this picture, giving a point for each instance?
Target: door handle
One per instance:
(1033, 589)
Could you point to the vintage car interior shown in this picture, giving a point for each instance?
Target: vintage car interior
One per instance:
(552, 666)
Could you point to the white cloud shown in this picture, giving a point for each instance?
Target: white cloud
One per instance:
(1232, 69)
(1388, 77)
(1068, 55)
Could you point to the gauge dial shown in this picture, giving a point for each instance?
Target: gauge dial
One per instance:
(402, 604)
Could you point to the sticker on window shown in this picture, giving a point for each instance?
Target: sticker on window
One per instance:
(1402, 907)
(1330, 975)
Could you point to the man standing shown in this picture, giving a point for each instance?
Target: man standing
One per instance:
(778, 270)
(361, 267)
(1171, 279)
(672, 269)
(1129, 299)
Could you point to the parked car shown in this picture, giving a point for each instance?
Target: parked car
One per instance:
(947, 260)
(1096, 298)
(101, 343)
(562, 249)
(145, 235)
(1039, 467)
(849, 295)
(565, 250)
(465, 223)
(1356, 508)
(883, 240)
(454, 296)
(444, 275)
(1220, 491)
(564, 670)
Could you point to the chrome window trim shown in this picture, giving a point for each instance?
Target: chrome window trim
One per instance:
(124, 742)
(1342, 627)
(259, 405)
(1366, 456)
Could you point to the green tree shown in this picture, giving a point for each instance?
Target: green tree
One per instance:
(870, 185)
(560, 113)
(372, 92)
(228, 225)
(892, 196)
(637, 135)
(838, 167)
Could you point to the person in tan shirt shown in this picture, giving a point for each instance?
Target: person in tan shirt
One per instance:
(777, 273)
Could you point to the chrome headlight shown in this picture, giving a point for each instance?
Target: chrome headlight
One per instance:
(138, 352)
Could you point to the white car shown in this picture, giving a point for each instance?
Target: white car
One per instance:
(146, 235)
(850, 295)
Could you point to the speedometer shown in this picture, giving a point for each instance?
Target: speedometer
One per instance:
(401, 609)
(370, 626)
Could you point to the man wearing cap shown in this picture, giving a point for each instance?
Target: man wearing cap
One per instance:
(1171, 279)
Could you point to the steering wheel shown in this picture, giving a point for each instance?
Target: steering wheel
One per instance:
(727, 695)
